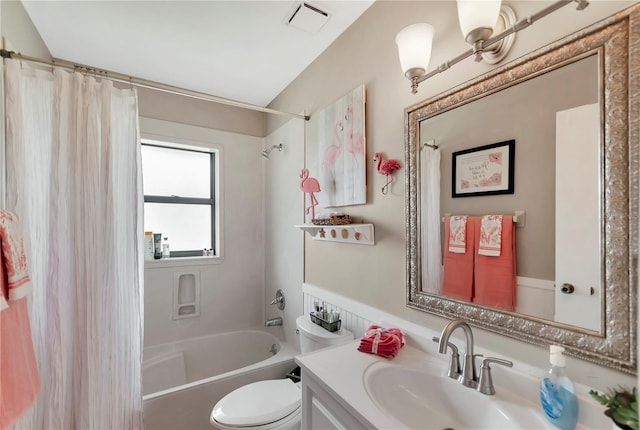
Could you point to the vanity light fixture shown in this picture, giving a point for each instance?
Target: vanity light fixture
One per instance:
(479, 19)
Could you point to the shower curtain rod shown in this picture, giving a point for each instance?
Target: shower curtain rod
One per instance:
(143, 83)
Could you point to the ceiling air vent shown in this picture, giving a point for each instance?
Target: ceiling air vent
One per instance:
(308, 18)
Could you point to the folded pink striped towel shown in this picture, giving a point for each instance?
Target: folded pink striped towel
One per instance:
(19, 283)
(457, 234)
(490, 235)
(383, 342)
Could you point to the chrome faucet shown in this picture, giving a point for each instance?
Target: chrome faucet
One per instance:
(468, 376)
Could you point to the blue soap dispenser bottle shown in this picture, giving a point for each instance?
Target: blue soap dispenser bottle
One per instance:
(557, 393)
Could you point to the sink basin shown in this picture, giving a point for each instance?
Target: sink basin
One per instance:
(427, 399)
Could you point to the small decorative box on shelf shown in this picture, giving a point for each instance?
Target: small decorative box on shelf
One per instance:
(362, 234)
(330, 326)
(334, 219)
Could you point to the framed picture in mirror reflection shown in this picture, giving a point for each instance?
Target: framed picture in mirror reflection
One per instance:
(483, 170)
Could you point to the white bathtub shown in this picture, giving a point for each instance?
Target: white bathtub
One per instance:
(183, 380)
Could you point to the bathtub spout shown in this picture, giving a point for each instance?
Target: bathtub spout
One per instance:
(273, 321)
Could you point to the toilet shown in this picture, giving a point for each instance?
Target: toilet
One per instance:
(274, 404)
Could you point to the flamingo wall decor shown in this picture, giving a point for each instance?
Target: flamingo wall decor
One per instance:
(386, 168)
(341, 141)
(309, 186)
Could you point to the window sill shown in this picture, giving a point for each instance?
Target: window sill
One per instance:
(182, 262)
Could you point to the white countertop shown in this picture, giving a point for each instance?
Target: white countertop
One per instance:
(340, 371)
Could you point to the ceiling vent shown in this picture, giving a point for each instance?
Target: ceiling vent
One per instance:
(308, 18)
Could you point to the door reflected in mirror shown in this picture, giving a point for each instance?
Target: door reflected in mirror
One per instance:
(554, 119)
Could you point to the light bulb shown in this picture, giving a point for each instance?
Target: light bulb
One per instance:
(414, 48)
(478, 18)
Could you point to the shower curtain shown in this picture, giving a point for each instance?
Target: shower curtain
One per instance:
(73, 177)
(431, 221)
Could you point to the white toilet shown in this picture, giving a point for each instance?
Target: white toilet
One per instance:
(273, 404)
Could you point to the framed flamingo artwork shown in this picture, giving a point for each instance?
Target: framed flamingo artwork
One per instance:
(483, 171)
(342, 151)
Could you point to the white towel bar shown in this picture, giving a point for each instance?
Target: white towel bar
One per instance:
(518, 218)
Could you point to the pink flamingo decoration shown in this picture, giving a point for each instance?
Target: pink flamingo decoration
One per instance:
(355, 141)
(332, 152)
(309, 186)
(386, 168)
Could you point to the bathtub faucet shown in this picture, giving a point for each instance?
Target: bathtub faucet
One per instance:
(273, 322)
(279, 300)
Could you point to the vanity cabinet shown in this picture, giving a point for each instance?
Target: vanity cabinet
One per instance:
(322, 410)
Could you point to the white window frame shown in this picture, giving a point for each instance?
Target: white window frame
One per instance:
(214, 201)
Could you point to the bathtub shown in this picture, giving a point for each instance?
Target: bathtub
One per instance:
(182, 381)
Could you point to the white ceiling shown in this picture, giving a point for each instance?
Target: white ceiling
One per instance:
(241, 50)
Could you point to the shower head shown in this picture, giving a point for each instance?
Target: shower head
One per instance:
(266, 152)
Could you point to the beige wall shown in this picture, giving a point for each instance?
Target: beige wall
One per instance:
(19, 31)
(171, 107)
(366, 53)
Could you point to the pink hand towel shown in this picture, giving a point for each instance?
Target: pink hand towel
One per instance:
(457, 279)
(383, 342)
(495, 277)
(19, 378)
(457, 234)
(18, 283)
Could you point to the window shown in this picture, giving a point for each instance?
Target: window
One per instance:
(179, 200)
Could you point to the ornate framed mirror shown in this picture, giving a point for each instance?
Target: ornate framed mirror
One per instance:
(608, 54)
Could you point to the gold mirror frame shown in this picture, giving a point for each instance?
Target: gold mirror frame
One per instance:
(617, 39)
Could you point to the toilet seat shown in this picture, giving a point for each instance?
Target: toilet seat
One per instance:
(288, 422)
(259, 405)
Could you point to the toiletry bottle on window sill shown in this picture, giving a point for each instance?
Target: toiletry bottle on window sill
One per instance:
(166, 252)
(148, 246)
(157, 246)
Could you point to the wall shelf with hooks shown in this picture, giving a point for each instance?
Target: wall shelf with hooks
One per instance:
(361, 234)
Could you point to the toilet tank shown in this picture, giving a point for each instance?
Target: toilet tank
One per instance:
(313, 337)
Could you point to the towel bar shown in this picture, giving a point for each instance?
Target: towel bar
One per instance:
(518, 218)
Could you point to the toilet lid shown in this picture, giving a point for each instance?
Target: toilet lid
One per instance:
(258, 403)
